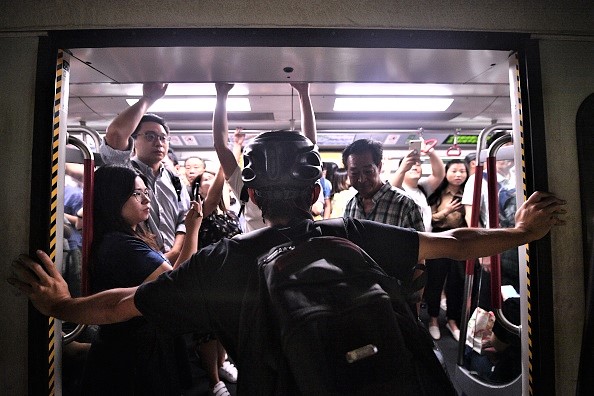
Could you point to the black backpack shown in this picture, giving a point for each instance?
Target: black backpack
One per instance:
(344, 324)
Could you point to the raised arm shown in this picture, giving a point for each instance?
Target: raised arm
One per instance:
(215, 193)
(534, 219)
(238, 139)
(121, 128)
(407, 162)
(220, 130)
(308, 118)
(48, 292)
(437, 170)
(193, 221)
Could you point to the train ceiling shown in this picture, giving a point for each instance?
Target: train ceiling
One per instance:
(101, 79)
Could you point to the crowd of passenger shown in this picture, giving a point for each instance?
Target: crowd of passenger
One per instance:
(153, 211)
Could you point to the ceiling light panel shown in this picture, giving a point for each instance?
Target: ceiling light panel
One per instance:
(194, 104)
(392, 104)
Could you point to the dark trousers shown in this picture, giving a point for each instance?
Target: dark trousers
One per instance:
(438, 270)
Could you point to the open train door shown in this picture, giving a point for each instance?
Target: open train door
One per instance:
(47, 220)
(467, 376)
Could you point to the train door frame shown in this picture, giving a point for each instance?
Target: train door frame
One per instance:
(542, 362)
(585, 140)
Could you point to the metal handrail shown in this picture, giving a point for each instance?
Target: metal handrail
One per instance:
(85, 130)
(494, 223)
(89, 168)
(474, 220)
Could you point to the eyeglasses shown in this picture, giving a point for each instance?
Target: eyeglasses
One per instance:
(139, 195)
(150, 137)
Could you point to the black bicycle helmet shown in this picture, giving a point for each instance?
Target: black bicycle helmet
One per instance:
(281, 164)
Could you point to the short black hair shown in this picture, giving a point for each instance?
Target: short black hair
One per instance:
(470, 157)
(151, 118)
(293, 206)
(363, 146)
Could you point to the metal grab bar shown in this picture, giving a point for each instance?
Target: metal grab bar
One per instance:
(474, 220)
(87, 235)
(493, 199)
(493, 196)
(85, 130)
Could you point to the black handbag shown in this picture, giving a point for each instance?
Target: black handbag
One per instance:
(217, 226)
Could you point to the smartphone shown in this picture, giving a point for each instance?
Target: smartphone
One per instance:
(415, 145)
(456, 198)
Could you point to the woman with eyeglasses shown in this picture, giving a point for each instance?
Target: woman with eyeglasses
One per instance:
(131, 357)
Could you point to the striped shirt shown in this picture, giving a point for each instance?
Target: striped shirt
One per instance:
(390, 206)
(167, 213)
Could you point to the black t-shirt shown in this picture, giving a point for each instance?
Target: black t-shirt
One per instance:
(216, 291)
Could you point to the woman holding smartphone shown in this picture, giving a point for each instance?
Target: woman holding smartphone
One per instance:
(447, 213)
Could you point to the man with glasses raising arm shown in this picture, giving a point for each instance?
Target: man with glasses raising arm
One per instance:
(148, 135)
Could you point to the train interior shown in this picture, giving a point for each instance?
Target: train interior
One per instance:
(386, 94)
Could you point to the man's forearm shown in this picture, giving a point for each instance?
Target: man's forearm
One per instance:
(109, 306)
(122, 127)
(467, 243)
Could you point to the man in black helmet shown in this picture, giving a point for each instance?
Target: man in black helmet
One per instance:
(280, 171)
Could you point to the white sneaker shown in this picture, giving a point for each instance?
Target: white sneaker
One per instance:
(455, 333)
(443, 304)
(220, 389)
(228, 372)
(434, 331)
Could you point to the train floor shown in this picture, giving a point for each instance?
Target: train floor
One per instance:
(447, 344)
(200, 387)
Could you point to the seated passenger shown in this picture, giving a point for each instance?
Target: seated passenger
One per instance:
(501, 360)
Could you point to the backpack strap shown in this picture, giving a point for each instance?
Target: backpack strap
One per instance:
(176, 183)
(243, 199)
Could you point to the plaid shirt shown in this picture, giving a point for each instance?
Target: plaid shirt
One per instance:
(391, 206)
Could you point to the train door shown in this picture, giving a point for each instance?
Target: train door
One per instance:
(585, 139)
(50, 348)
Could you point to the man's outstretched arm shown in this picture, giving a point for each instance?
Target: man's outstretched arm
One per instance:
(48, 292)
(534, 219)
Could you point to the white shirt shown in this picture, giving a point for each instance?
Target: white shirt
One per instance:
(251, 212)
(421, 200)
(467, 198)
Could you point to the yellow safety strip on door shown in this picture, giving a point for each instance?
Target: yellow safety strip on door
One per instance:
(53, 211)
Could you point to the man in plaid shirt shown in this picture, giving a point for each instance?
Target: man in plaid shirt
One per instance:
(376, 200)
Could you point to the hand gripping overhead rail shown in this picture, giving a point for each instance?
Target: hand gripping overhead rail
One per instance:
(87, 235)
